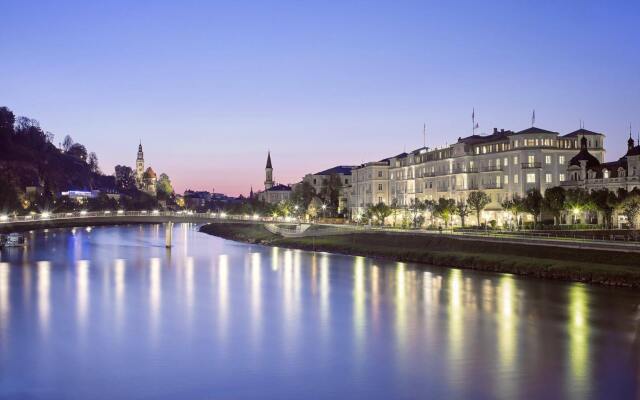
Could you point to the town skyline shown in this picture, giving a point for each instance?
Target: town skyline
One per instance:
(208, 102)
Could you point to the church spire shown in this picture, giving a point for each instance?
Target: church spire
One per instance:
(268, 171)
(269, 160)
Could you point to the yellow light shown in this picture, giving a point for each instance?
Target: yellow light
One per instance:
(45, 215)
(83, 212)
(120, 212)
(223, 215)
(156, 212)
(3, 217)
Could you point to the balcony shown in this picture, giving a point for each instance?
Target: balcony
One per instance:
(532, 165)
(464, 170)
(492, 168)
(492, 186)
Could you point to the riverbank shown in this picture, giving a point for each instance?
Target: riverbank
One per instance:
(548, 262)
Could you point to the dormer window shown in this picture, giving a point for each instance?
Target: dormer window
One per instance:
(605, 174)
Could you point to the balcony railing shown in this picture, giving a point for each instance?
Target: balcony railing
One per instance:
(491, 168)
(531, 165)
(464, 170)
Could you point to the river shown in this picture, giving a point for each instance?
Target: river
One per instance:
(108, 313)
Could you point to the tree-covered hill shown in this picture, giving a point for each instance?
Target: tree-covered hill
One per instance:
(29, 158)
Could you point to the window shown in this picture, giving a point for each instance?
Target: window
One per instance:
(498, 181)
(379, 187)
(606, 173)
(346, 181)
(379, 200)
(531, 178)
(547, 159)
(506, 179)
(515, 179)
(548, 178)
(314, 181)
(505, 162)
(561, 177)
(531, 160)
(515, 160)
(561, 160)
(379, 174)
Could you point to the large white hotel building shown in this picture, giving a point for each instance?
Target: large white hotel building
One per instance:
(502, 164)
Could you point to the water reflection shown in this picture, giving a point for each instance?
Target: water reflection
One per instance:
(223, 295)
(44, 294)
(578, 342)
(227, 319)
(82, 291)
(4, 294)
(155, 295)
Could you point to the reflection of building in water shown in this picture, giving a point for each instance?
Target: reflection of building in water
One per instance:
(578, 351)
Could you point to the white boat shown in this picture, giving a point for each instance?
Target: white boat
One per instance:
(12, 240)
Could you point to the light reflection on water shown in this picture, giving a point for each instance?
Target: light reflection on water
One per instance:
(220, 319)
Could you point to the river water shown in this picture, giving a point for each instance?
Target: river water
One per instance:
(109, 313)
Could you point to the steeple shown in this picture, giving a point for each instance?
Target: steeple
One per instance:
(269, 160)
(630, 142)
(583, 142)
(268, 171)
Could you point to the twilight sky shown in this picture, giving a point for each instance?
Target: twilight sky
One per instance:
(209, 87)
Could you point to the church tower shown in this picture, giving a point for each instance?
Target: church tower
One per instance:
(268, 183)
(139, 165)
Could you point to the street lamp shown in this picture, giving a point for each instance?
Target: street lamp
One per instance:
(324, 208)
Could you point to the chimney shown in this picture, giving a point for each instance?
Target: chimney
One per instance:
(495, 130)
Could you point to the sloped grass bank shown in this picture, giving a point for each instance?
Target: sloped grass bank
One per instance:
(548, 262)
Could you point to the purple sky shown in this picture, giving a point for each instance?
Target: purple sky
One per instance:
(209, 88)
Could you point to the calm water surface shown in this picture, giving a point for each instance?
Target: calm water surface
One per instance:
(108, 313)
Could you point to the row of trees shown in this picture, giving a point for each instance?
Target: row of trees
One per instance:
(556, 201)
(443, 208)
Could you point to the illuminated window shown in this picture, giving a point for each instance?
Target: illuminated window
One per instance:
(531, 178)
(606, 173)
(548, 178)
(547, 159)
(561, 160)
(515, 179)
(515, 160)
(505, 162)
(561, 177)
(506, 179)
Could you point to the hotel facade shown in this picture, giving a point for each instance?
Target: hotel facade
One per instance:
(502, 164)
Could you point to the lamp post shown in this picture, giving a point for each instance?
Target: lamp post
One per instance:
(324, 208)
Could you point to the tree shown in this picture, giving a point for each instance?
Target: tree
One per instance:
(462, 210)
(605, 201)
(314, 207)
(78, 151)
(515, 206)
(395, 210)
(417, 207)
(92, 160)
(303, 193)
(284, 208)
(125, 179)
(577, 201)
(478, 200)
(430, 205)
(630, 207)
(9, 199)
(554, 199)
(379, 212)
(163, 186)
(445, 209)
(67, 143)
(330, 191)
(533, 204)
(7, 120)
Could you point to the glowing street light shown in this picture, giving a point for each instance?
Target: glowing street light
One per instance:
(83, 212)
(3, 217)
(45, 215)
(120, 212)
